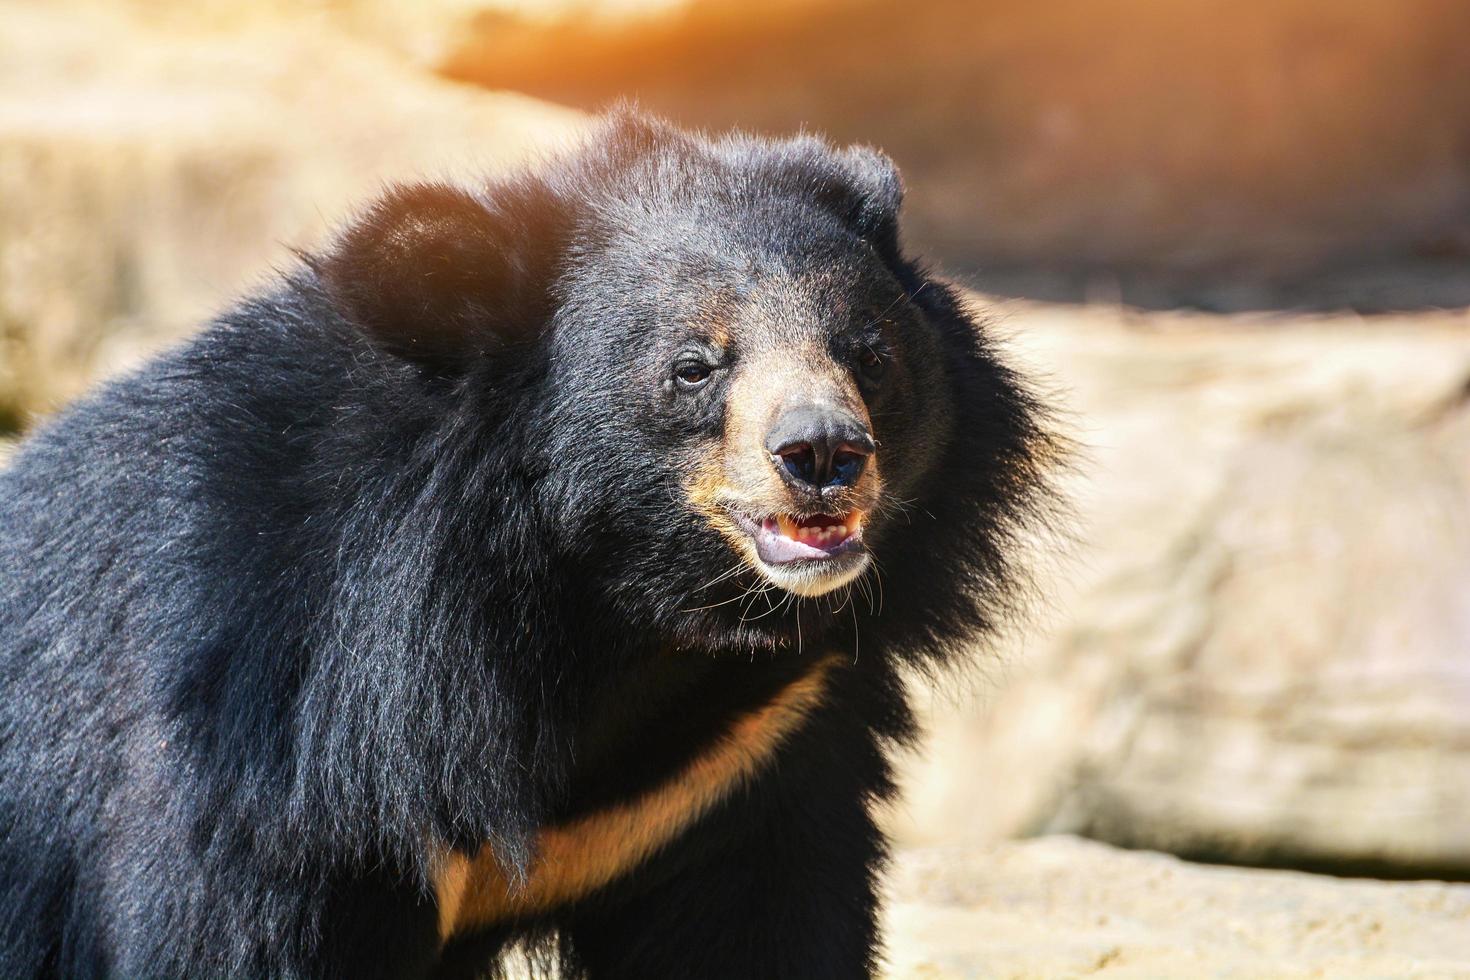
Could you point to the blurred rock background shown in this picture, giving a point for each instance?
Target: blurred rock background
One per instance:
(155, 161)
(1226, 153)
(1232, 239)
(1258, 652)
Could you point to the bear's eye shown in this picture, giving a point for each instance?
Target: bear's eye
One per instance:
(692, 374)
(870, 363)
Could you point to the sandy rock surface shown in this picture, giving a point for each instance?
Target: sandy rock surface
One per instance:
(1064, 907)
(1259, 647)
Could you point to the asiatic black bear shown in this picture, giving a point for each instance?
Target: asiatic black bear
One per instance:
(535, 563)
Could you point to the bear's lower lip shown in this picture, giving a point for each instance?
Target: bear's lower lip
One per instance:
(783, 539)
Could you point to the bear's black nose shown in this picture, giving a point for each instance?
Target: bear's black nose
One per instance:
(816, 446)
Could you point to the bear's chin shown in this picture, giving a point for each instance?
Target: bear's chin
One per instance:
(815, 578)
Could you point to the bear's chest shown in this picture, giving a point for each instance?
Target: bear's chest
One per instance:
(594, 848)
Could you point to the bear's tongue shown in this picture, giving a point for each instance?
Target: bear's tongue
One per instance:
(819, 530)
(822, 537)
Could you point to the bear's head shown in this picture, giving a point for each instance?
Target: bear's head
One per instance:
(733, 398)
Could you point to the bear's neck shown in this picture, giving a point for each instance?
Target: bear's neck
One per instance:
(659, 713)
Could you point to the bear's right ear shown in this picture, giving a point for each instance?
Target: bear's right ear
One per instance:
(438, 276)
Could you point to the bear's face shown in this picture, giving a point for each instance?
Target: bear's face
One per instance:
(725, 387)
(779, 386)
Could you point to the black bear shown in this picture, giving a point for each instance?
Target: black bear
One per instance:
(536, 566)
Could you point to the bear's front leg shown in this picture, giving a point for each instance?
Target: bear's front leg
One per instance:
(779, 882)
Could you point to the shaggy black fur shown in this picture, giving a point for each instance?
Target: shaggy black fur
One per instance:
(398, 555)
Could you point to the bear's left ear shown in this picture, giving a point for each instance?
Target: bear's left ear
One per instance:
(876, 194)
(438, 276)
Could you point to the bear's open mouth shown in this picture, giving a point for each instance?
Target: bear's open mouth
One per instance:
(785, 538)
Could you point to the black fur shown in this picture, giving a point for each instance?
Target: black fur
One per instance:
(396, 554)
